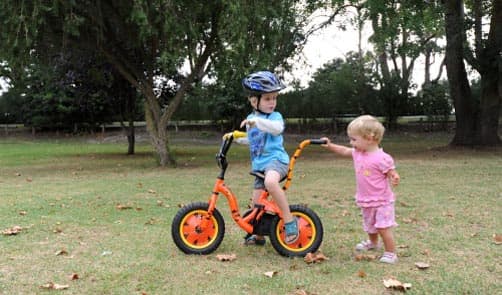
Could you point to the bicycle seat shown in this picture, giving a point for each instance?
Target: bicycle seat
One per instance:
(261, 175)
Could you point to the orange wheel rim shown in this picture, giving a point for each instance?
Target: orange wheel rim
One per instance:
(307, 231)
(194, 234)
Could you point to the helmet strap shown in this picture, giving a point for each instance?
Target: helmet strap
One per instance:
(257, 109)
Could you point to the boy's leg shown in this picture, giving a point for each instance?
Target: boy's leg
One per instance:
(272, 179)
(273, 186)
(255, 239)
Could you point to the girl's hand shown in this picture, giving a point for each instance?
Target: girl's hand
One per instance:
(327, 141)
(393, 177)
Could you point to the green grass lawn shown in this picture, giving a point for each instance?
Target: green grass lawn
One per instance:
(65, 195)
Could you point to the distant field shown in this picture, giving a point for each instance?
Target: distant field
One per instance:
(97, 221)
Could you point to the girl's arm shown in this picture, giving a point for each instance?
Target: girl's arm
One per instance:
(337, 149)
(393, 177)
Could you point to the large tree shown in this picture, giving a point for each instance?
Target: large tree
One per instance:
(402, 31)
(477, 119)
(180, 41)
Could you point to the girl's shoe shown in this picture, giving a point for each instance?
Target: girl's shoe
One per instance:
(366, 246)
(389, 257)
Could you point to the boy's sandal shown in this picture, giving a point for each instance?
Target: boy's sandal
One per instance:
(292, 233)
(253, 240)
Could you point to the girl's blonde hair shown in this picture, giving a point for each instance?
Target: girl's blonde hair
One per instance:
(368, 127)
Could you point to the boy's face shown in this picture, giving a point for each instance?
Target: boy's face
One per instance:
(268, 102)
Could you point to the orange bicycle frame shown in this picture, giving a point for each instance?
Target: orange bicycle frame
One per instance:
(264, 204)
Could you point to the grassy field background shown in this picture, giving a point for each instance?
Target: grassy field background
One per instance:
(67, 193)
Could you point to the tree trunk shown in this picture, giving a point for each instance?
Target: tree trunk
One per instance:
(490, 61)
(158, 136)
(466, 109)
(490, 109)
(130, 136)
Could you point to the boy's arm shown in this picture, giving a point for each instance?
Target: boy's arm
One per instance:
(239, 136)
(337, 149)
(274, 127)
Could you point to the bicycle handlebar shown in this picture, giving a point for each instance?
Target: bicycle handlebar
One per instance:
(318, 141)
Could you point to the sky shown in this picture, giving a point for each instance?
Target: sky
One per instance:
(333, 42)
(323, 47)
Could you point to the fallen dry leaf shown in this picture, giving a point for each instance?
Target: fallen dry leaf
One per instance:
(422, 265)
(302, 292)
(61, 252)
(315, 257)
(497, 239)
(23, 213)
(53, 286)
(152, 221)
(361, 273)
(367, 257)
(410, 220)
(151, 191)
(270, 274)
(74, 276)
(226, 257)
(403, 204)
(123, 207)
(392, 283)
(12, 231)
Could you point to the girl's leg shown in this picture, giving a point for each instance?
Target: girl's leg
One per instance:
(389, 256)
(388, 239)
(373, 238)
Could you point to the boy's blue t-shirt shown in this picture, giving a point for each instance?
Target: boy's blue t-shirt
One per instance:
(265, 147)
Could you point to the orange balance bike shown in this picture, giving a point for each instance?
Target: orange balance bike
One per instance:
(199, 228)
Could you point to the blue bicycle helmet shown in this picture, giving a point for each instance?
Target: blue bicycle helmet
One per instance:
(261, 82)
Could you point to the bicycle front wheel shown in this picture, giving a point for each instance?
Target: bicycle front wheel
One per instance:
(194, 231)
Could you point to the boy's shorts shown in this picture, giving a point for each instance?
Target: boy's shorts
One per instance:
(274, 165)
(375, 218)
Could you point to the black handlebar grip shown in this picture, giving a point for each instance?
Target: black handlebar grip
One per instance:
(318, 141)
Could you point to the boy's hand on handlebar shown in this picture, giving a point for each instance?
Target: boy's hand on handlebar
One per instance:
(227, 135)
(235, 134)
(326, 140)
(249, 123)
